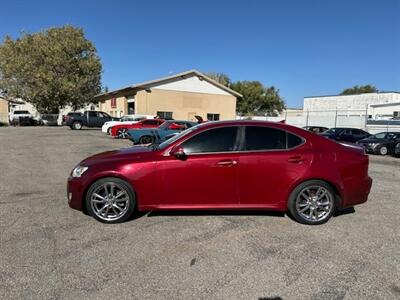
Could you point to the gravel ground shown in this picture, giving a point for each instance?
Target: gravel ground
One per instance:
(48, 250)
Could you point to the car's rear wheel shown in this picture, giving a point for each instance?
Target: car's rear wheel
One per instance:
(122, 133)
(383, 150)
(312, 202)
(146, 139)
(110, 200)
(77, 125)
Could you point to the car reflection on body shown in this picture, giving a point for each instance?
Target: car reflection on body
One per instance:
(225, 165)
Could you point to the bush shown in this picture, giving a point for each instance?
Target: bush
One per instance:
(2, 124)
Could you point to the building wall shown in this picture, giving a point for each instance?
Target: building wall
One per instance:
(349, 102)
(185, 105)
(3, 111)
(120, 110)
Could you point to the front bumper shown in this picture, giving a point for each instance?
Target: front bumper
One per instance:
(75, 192)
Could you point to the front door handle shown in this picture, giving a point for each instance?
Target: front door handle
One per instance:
(297, 159)
(227, 163)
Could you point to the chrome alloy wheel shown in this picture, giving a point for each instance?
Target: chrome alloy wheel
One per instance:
(314, 203)
(110, 201)
(122, 133)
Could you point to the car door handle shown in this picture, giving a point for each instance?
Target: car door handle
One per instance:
(226, 163)
(296, 159)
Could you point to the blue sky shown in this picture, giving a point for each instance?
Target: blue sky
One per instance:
(301, 47)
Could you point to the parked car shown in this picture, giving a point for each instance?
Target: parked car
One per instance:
(225, 165)
(381, 143)
(22, 117)
(89, 118)
(70, 114)
(397, 150)
(121, 130)
(157, 135)
(128, 119)
(316, 129)
(340, 134)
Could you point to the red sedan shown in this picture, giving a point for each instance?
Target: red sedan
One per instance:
(225, 165)
(121, 130)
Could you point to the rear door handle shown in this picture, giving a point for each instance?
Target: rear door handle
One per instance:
(296, 159)
(227, 163)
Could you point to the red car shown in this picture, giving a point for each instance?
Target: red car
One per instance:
(225, 165)
(121, 130)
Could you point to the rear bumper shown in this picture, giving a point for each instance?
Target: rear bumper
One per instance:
(356, 191)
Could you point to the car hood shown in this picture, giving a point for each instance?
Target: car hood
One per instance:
(133, 153)
(372, 140)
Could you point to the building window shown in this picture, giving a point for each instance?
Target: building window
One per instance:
(213, 117)
(166, 115)
(113, 102)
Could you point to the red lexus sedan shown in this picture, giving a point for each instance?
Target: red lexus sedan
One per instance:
(225, 165)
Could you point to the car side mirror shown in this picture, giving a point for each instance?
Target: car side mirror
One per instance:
(178, 152)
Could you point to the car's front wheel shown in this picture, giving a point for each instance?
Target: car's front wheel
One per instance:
(383, 150)
(312, 202)
(110, 200)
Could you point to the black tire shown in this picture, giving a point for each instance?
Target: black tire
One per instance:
(109, 131)
(295, 204)
(383, 150)
(77, 125)
(146, 139)
(121, 184)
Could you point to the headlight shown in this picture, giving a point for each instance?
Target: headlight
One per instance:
(78, 171)
(373, 145)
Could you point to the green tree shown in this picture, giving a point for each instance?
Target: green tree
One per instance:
(360, 90)
(257, 99)
(50, 69)
(220, 78)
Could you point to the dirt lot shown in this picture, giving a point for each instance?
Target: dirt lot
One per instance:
(48, 250)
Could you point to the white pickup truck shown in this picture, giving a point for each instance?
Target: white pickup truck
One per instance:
(17, 115)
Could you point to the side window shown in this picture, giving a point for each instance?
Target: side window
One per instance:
(264, 138)
(213, 140)
(92, 113)
(293, 140)
(356, 131)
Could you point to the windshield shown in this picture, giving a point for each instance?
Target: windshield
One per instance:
(166, 143)
(384, 135)
(334, 130)
(21, 112)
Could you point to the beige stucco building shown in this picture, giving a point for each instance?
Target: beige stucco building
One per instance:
(3, 110)
(181, 97)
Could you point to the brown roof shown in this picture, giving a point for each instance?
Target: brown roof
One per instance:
(155, 82)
